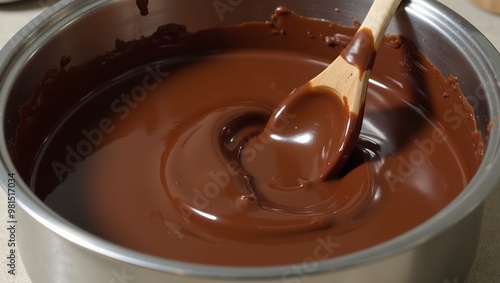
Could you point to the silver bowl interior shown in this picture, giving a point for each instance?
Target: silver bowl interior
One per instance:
(85, 29)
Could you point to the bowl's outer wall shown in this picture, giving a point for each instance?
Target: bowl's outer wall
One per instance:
(85, 29)
(49, 258)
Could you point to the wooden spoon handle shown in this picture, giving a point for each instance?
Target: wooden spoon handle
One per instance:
(347, 76)
(490, 5)
(378, 18)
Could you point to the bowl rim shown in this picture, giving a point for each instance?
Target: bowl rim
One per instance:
(483, 182)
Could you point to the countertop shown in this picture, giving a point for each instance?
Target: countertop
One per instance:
(486, 268)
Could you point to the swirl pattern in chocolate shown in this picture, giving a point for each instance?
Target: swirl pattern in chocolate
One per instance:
(153, 152)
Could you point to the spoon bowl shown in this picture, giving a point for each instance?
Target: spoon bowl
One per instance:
(325, 139)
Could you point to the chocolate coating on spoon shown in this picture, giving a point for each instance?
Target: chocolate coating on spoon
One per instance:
(360, 51)
(298, 140)
(149, 151)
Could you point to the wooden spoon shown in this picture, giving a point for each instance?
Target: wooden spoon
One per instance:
(347, 76)
(311, 135)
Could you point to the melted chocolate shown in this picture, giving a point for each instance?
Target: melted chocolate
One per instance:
(306, 139)
(152, 150)
(360, 51)
(143, 7)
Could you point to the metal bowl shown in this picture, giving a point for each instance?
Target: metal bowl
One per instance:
(8, 1)
(54, 250)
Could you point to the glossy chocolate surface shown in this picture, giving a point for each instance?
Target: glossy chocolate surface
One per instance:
(150, 149)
